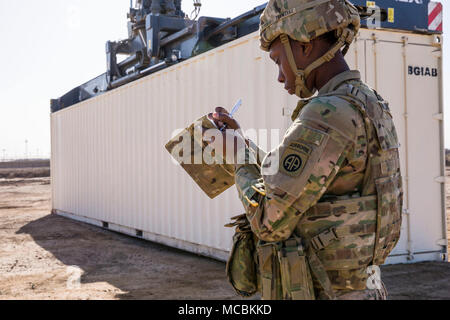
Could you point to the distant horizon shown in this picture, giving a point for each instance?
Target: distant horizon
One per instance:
(23, 159)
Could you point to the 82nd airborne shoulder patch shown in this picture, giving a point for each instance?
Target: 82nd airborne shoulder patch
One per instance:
(294, 158)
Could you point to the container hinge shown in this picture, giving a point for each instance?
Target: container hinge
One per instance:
(442, 242)
(410, 257)
(405, 41)
(440, 179)
(436, 41)
(438, 116)
(374, 38)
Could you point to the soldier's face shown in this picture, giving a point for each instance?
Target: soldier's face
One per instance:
(285, 73)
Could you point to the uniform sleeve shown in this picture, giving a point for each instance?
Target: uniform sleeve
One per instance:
(258, 153)
(295, 175)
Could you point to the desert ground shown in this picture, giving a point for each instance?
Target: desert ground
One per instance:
(45, 256)
(24, 169)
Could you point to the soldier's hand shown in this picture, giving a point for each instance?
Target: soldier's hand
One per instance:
(221, 117)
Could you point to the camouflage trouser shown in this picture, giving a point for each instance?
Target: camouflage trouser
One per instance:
(368, 294)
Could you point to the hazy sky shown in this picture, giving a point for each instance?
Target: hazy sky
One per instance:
(51, 46)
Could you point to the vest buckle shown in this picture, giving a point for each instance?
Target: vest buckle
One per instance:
(323, 239)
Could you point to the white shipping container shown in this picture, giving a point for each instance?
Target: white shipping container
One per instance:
(110, 168)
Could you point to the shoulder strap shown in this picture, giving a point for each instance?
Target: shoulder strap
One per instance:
(358, 99)
(346, 91)
(351, 94)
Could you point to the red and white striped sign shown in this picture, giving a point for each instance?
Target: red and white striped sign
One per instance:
(435, 16)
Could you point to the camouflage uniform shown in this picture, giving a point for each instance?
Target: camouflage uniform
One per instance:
(333, 207)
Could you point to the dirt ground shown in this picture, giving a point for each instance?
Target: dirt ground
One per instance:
(33, 168)
(38, 250)
(24, 173)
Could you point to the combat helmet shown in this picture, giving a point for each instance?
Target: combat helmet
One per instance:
(305, 20)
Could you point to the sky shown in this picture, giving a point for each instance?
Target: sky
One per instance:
(51, 46)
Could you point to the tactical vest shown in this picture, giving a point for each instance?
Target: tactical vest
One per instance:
(342, 237)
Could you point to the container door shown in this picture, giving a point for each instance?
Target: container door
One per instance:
(406, 75)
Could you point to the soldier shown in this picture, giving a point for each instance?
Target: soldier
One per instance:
(332, 210)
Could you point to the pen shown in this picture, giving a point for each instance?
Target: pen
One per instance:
(233, 111)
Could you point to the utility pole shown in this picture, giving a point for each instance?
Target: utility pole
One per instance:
(4, 154)
(26, 149)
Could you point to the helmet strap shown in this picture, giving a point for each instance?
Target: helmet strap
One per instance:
(301, 75)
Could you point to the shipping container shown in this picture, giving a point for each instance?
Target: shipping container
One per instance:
(110, 168)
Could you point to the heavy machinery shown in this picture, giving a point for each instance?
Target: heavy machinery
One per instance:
(160, 34)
